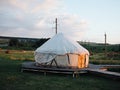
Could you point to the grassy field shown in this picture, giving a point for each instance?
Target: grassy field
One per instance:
(17, 54)
(11, 78)
(100, 58)
(96, 58)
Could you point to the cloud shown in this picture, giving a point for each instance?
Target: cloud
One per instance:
(72, 25)
(46, 6)
(31, 6)
(36, 18)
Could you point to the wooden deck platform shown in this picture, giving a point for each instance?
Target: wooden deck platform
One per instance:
(99, 70)
(30, 66)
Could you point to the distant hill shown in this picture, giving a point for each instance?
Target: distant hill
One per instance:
(100, 47)
(21, 42)
(92, 43)
(33, 43)
(7, 37)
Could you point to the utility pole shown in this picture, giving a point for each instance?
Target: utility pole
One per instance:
(56, 26)
(105, 44)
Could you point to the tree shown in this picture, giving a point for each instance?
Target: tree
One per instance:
(40, 42)
(13, 42)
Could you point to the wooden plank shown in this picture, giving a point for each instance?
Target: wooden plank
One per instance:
(30, 66)
(93, 69)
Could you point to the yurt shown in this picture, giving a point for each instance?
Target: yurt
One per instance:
(60, 51)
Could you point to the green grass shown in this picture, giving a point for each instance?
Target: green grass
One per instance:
(11, 77)
(17, 55)
(109, 62)
(96, 58)
(109, 56)
(100, 58)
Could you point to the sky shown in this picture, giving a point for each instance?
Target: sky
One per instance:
(81, 20)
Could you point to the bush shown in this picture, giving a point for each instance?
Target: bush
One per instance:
(115, 62)
(114, 69)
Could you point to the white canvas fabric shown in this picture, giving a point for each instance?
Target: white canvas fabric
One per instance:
(62, 60)
(73, 60)
(44, 58)
(58, 48)
(61, 45)
(87, 60)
